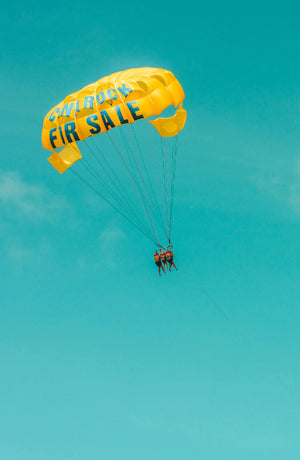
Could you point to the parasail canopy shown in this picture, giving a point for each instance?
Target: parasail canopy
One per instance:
(122, 98)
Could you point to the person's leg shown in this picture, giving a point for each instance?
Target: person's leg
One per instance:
(174, 265)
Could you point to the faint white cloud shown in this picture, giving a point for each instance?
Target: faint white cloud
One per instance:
(19, 253)
(109, 250)
(294, 197)
(111, 241)
(298, 166)
(112, 236)
(23, 253)
(190, 429)
(94, 204)
(30, 200)
(20, 201)
(281, 187)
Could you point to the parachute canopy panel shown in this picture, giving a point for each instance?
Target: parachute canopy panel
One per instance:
(62, 160)
(168, 127)
(118, 99)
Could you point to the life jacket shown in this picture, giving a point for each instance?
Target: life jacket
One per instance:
(163, 256)
(156, 257)
(169, 255)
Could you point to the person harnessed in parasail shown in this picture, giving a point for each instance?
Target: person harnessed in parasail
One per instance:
(162, 259)
(157, 260)
(169, 258)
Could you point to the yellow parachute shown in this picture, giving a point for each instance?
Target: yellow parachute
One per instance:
(122, 98)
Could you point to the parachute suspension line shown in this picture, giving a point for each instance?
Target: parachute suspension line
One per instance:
(111, 204)
(133, 166)
(120, 190)
(130, 177)
(110, 172)
(93, 172)
(163, 152)
(143, 182)
(106, 187)
(134, 179)
(99, 179)
(174, 161)
(134, 160)
(158, 213)
(96, 176)
(158, 180)
(130, 156)
(130, 160)
(135, 186)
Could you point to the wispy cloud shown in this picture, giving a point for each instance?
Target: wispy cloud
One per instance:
(30, 200)
(294, 198)
(19, 253)
(24, 208)
(111, 241)
(109, 250)
(112, 236)
(23, 252)
(298, 166)
(283, 187)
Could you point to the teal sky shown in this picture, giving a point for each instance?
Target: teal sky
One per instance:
(100, 358)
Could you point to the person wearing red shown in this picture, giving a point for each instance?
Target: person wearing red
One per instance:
(163, 258)
(157, 260)
(169, 258)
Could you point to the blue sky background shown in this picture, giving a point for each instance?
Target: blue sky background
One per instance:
(100, 358)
